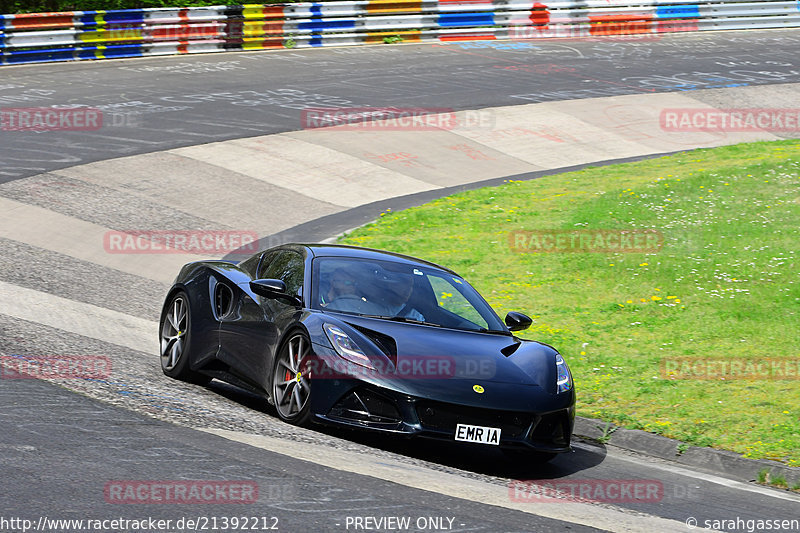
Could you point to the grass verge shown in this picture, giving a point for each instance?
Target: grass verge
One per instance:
(725, 285)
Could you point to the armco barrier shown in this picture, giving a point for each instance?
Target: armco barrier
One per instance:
(76, 35)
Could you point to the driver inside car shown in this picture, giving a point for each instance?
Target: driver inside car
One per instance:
(342, 285)
(344, 294)
(400, 288)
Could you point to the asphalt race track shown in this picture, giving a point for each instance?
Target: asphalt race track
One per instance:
(162, 103)
(216, 142)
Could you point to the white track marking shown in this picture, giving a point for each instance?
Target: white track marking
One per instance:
(310, 169)
(82, 240)
(79, 318)
(683, 471)
(609, 519)
(204, 190)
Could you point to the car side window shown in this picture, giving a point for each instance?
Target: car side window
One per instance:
(250, 265)
(263, 265)
(286, 266)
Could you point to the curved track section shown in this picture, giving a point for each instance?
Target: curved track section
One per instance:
(215, 144)
(156, 104)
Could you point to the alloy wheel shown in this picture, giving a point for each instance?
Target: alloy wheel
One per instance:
(291, 383)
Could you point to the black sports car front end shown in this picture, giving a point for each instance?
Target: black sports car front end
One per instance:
(371, 340)
(429, 387)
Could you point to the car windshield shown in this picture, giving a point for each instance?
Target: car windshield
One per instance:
(400, 292)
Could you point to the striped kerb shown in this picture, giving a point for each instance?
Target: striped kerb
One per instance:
(262, 12)
(39, 21)
(105, 36)
(390, 6)
(621, 24)
(670, 26)
(540, 16)
(466, 19)
(261, 44)
(185, 32)
(467, 37)
(683, 12)
(254, 29)
(408, 36)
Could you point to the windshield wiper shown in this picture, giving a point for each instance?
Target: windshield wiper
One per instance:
(404, 319)
(495, 332)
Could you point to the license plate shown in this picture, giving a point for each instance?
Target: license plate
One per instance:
(480, 434)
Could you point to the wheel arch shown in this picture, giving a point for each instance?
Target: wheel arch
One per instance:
(288, 333)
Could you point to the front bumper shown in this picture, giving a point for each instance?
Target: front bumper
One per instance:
(370, 407)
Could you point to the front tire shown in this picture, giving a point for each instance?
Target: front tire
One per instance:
(176, 341)
(291, 381)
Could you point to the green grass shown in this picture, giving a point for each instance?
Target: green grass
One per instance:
(765, 478)
(726, 284)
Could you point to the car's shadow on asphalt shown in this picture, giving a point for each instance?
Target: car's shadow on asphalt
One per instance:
(477, 458)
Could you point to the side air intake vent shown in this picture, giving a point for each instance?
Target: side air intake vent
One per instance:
(223, 300)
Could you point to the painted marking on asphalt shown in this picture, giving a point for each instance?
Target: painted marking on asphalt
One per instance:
(453, 485)
(313, 170)
(82, 240)
(79, 318)
(185, 185)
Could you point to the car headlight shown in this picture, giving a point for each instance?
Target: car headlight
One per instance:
(345, 346)
(563, 377)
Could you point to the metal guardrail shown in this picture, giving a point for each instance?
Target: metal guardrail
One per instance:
(77, 35)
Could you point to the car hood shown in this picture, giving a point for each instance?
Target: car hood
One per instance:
(433, 354)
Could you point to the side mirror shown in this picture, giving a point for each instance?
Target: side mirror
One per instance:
(275, 289)
(269, 288)
(517, 321)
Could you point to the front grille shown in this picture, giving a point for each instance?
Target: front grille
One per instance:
(444, 417)
(366, 407)
(552, 428)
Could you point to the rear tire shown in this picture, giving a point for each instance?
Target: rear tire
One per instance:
(176, 341)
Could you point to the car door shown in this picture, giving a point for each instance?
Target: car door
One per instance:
(248, 334)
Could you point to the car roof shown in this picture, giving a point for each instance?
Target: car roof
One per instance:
(341, 250)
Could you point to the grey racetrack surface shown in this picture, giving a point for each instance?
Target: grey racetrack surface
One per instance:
(158, 103)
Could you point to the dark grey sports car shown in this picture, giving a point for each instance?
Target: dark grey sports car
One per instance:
(368, 339)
